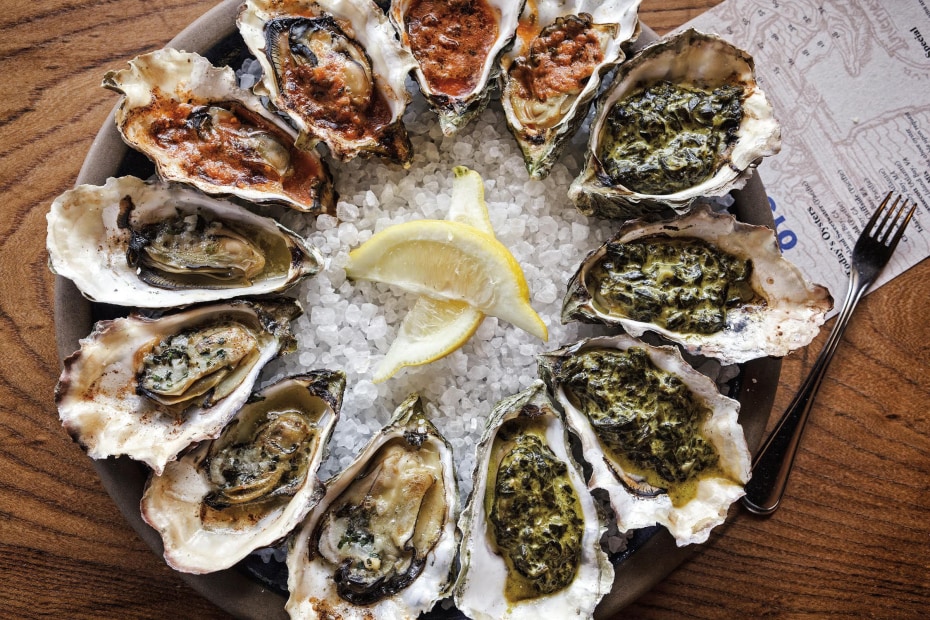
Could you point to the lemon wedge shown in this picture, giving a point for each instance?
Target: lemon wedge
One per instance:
(438, 325)
(449, 260)
(435, 328)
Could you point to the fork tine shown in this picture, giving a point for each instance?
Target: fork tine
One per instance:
(886, 227)
(900, 231)
(881, 208)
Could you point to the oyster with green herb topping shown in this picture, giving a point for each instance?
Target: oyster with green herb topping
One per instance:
(716, 286)
(684, 118)
(254, 483)
(381, 543)
(661, 440)
(530, 531)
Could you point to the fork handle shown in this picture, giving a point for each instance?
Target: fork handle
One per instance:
(772, 464)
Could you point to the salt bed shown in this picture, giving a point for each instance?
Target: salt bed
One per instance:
(350, 325)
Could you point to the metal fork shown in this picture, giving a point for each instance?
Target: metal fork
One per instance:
(772, 464)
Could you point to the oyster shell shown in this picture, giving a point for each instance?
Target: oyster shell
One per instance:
(456, 44)
(335, 68)
(200, 128)
(689, 120)
(155, 245)
(251, 485)
(661, 440)
(716, 286)
(149, 387)
(381, 543)
(530, 530)
(553, 71)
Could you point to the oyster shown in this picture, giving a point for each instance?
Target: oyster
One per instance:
(254, 483)
(456, 44)
(149, 387)
(553, 71)
(684, 118)
(200, 128)
(335, 68)
(718, 287)
(155, 245)
(661, 440)
(381, 543)
(530, 530)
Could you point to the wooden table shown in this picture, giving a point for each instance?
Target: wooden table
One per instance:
(851, 539)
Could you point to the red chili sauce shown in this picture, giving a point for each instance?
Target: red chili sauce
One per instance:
(560, 60)
(330, 95)
(451, 39)
(227, 155)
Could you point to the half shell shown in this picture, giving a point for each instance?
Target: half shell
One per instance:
(381, 543)
(334, 67)
(456, 44)
(700, 63)
(553, 71)
(668, 448)
(199, 127)
(784, 312)
(155, 245)
(253, 484)
(529, 505)
(149, 387)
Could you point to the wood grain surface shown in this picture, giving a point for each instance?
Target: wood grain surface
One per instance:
(851, 540)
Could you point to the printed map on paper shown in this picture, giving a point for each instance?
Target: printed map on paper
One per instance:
(850, 84)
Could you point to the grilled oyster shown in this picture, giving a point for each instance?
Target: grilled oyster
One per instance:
(254, 483)
(553, 71)
(456, 44)
(684, 118)
(199, 127)
(149, 387)
(381, 543)
(660, 439)
(530, 530)
(718, 287)
(335, 68)
(155, 245)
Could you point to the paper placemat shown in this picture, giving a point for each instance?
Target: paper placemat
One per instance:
(850, 84)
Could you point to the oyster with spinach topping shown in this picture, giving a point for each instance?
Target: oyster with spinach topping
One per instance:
(716, 286)
(661, 440)
(684, 118)
(530, 529)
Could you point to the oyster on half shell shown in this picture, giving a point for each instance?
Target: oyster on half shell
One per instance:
(335, 68)
(551, 74)
(381, 543)
(660, 438)
(199, 127)
(156, 245)
(253, 484)
(684, 118)
(456, 44)
(714, 285)
(149, 387)
(530, 530)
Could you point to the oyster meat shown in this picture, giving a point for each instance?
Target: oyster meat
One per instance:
(530, 530)
(156, 245)
(661, 440)
(714, 285)
(251, 485)
(199, 127)
(149, 387)
(334, 67)
(553, 71)
(684, 118)
(381, 543)
(456, 44)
